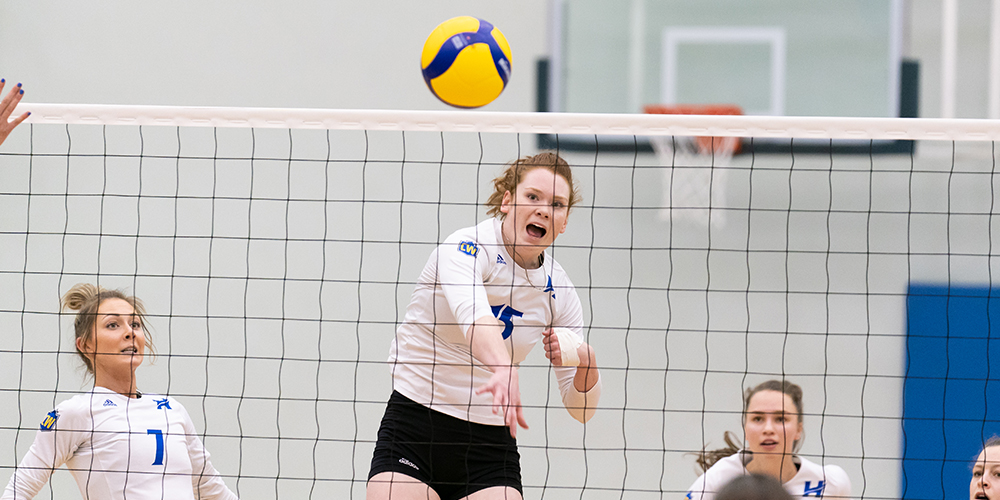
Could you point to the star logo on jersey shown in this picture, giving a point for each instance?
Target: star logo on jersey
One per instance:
(108, 402)
(468, 248)
(162, 403)
(500, 260)
(548, 287)
(50, 420)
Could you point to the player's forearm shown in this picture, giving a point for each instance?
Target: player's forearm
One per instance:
(486, 342)
(28, 479)
(586, 372)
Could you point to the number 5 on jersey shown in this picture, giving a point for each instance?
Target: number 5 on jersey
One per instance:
(505, 314)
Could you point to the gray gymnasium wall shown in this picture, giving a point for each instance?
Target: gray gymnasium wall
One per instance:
(343, 54)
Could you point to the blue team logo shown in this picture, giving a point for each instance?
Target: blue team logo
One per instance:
(816, 490)
(50, 420)
(500, 260)
(688, 496)
(548, 288)
(162, 403)
(468, 248)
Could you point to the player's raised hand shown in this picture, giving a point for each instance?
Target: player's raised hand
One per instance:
(7, 106)
(503, 385)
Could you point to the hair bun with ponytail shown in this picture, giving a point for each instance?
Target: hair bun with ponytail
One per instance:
(80, 296)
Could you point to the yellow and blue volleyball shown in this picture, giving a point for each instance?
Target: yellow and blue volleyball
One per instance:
(466, 62)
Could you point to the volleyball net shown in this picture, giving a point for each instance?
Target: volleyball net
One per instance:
(276, 251)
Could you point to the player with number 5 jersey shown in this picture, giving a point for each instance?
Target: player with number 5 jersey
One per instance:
(487, 295)
(117, 442)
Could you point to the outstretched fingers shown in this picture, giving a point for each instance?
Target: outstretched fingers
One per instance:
(519, 412)
(7, 106)
(10, 100)
(513, 416)
(503, 386)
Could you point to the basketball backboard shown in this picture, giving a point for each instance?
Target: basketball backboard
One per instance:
(775, 57)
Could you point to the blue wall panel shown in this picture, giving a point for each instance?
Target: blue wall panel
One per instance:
(951, 394)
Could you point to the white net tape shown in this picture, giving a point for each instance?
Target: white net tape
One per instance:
(515, 122)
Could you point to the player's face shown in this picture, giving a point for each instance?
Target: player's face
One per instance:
(536, 212)
(985, 484)
(772, 424)
(118, 342)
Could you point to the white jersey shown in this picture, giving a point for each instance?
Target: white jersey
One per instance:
(120, 448)
(471, 276)
(812, 480)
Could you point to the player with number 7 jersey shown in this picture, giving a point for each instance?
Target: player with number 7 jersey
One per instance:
(117, 442)
(111, 444)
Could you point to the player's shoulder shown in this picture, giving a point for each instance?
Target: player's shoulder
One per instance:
(720, 473)
(833, 475)
(80, 403)
(77, 400)
(728, 466)
(836, 475)
(473, 240)
(815, 468)
(68, 412)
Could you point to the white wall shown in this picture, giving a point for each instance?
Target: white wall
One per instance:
(312, 54)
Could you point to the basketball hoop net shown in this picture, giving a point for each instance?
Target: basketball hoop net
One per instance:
(695, 183)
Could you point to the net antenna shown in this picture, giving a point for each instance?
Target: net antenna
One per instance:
(694, 187)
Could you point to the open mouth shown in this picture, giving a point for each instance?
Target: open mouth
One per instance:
(982, 496)
(769, 442)
(130, 350)
(536, 231)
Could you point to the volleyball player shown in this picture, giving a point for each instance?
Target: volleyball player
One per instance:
(117, 442)
(772, 424)
(486, 296)
(7, 106)
(985, 484)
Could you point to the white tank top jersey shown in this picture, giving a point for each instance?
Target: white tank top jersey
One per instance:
(812, 480)
(468, 277)
(120, 448)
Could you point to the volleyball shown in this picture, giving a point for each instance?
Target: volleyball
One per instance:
(466, 62)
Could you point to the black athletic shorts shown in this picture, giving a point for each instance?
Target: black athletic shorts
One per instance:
(453, 456)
